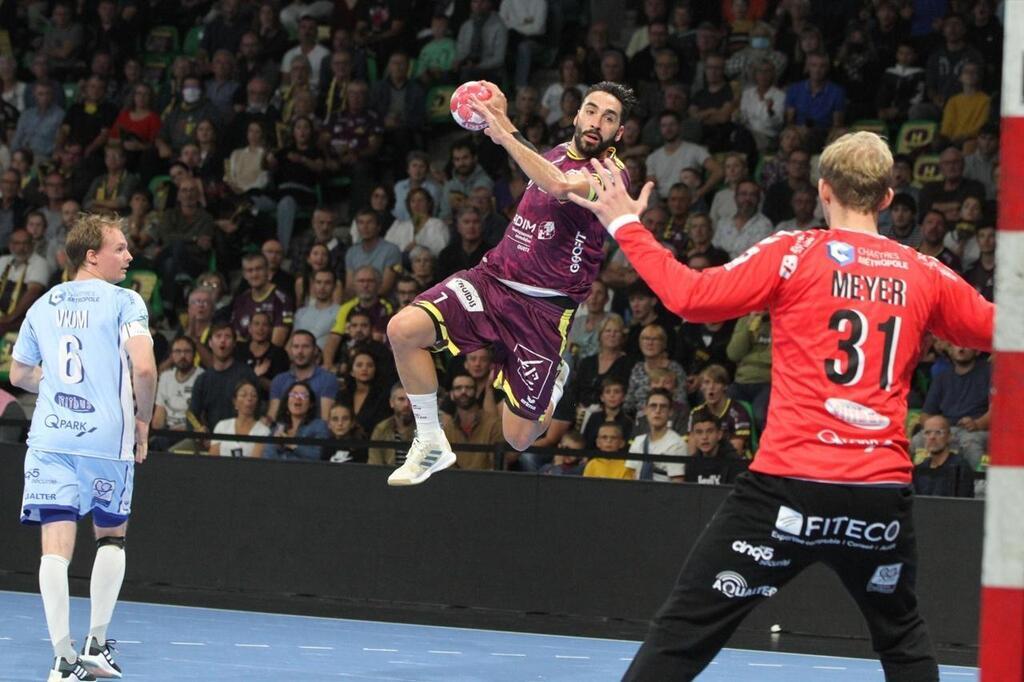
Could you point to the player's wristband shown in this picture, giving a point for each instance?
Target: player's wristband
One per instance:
(523, 141)
(626, 219)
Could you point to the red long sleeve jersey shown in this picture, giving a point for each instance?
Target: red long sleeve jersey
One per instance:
(849, 311)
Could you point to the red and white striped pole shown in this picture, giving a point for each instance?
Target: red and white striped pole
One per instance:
(1002, 594)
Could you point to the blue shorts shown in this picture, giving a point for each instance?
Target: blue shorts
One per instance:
(62, 487)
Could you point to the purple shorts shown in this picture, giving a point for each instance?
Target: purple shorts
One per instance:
(527, 333)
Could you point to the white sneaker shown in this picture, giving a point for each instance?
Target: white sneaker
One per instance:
(62, 671)
(424, 458)
(99, 659)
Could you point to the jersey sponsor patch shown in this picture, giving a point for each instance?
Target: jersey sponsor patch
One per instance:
(102, 492)
(856, 414)
(466, 294)
(842, 253)
(885, 578)
(534, 370)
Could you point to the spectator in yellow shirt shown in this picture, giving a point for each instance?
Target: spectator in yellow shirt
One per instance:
(965, 113)
(610, 438)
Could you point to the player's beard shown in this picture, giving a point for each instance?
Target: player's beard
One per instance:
(589, 149)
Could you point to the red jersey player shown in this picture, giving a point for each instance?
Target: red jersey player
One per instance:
(521, 298)
(831, 479)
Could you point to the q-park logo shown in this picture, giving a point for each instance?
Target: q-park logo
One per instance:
(52, 421)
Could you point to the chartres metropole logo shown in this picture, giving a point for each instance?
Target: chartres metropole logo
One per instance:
(842, 253)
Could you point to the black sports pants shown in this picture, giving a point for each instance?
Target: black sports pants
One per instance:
(768, 531)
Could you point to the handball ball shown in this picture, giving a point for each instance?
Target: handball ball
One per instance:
(462, 112)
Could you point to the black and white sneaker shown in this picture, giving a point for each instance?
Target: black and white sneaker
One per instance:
(63, 671)
(99, 659)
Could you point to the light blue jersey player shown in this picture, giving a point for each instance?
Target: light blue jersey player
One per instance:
(85, 348)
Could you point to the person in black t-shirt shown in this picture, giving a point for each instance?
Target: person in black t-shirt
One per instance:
(715, 461)
(943, 472)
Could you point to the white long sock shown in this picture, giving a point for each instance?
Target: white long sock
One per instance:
(424, 408)
(53, 586)
(104, 586)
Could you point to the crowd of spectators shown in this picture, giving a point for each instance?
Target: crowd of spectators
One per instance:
(289, 178)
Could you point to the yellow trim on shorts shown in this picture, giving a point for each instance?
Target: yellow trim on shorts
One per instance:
(446, 342)
(502, 385)
(563, 330)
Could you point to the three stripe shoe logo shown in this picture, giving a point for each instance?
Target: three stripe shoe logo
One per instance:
(431, 458)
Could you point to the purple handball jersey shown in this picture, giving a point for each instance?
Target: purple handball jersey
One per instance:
(551, 244)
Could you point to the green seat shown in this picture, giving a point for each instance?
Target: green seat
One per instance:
(439, 104)
(914, 135)
(192, 40)
(147, 284)
(926, 169)
(159, 191)
(155, 68)
(7, 342)
(162, 40)
(754, 435)
(157, 182)
(371, 68)
(70, 94)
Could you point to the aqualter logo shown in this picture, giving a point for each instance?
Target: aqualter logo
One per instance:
(734, 586)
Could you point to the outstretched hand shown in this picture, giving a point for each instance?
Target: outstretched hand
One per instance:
(612, 200)
(494, 111)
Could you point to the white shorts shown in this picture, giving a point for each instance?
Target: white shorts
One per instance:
(63, 487)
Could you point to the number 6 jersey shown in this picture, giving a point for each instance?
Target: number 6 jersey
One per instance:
(849, 311)
(77, 330)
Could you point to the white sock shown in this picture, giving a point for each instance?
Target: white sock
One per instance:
(104, 586)
(424, 408)
(557, 390)
(53, 586)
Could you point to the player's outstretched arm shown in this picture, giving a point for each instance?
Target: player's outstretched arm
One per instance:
(502, 131)
(708, 296)
(962, 315)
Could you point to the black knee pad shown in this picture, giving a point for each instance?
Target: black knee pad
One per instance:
(115, 540)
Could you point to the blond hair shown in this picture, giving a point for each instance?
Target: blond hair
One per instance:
(87, 235)
(858, 168)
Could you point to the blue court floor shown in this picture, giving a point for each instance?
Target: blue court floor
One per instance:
(158, 643)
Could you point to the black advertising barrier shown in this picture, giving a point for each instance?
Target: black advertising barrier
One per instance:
(593, 548)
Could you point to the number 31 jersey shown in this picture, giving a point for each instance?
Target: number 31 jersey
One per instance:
(78, 330)
(849, 313)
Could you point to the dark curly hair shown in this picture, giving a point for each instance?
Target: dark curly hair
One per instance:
(621, 92)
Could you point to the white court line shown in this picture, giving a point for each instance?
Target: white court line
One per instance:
(253, 646)
(828, 667)
(189, 643)
(318, 648)
(128, 641)
(439, 651)
(765, 665)
(575, 658)
(387, 650)
(514, 655)
(6, 639)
